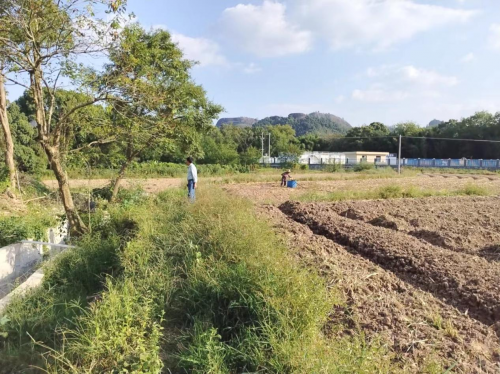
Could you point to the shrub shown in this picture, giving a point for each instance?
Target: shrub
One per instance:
(390, 192)
(363, 166)
(34, 226)
(333, 168)
(474, 190)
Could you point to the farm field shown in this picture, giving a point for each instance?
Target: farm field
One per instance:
(155, 185)
(337, 275)
(319, 190)
(419, 274)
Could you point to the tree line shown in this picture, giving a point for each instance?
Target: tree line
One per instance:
(424, 142)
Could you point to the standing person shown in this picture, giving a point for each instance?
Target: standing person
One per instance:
(286, 175)
(192, 177)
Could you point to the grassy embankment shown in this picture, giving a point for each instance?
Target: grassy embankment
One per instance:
(203, 288)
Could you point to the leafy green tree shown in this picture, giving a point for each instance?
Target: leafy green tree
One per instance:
(251, 156)
(309, 142)
(157, 102)
(28, 155)
(219, 152)
(283, 141)
(43, 39)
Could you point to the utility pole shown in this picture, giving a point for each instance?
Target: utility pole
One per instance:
(269, 146)
(399, 156)
(262, 141)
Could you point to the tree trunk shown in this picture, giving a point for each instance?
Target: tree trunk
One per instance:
(9, 144)
(118, 180)
(76, 225)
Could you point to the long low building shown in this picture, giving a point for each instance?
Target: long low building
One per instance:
(322, 158)
(353, 158)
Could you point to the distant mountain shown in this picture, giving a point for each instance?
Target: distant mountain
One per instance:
(314, 123)
(435, 123)
(238, 121)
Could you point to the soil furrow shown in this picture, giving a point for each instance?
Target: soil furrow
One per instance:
(470, 284)
(461, 224)
(419, 328)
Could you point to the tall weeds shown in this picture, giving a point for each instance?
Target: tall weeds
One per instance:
(199, 288)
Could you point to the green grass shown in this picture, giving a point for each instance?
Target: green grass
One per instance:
(392, 192)
(451, 171)
(151, 170)
(199, 288)
(33, 224)
(70, 282)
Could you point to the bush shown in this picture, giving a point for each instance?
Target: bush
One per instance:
(15, 229)
(474, 190)
(364, 166)
(333, 168)
(236, 300)
(248, 306)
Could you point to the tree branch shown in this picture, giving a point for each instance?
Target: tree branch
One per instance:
(91, 144)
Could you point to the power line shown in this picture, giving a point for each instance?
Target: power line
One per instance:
(418, 137)
(453, 139)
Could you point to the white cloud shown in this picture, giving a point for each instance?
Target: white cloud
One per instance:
(469, 57)
(494, 39)
(411, 74)
(396, 83)
(427, 77)
(263, 30)
(251, 68)
(205, 51)
(375, 95)
(340, 99)
(376, 24)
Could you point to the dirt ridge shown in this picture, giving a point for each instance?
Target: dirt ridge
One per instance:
(383, 306)
(470, 284)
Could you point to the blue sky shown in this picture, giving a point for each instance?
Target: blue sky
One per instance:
(364, 60)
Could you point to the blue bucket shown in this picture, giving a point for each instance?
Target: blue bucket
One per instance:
(292, 184)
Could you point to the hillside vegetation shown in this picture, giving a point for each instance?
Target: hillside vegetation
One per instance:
(315, 123)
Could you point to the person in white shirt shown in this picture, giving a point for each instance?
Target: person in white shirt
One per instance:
(192, 177)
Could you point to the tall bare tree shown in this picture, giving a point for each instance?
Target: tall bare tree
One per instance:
(7, 136)
(44, 40)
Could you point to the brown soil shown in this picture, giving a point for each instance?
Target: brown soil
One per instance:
(462, 224)
(271, 193)
(419, 327)
(464, 281)
(155, 185)
(149, 185)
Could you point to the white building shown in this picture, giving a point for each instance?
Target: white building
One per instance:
(315, 158)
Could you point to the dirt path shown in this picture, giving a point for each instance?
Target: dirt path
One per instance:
(271, 193)
(149, 185)
(155, 185)
(420, 329)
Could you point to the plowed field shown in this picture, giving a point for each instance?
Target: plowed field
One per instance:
(420, 275)
(420, 326)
